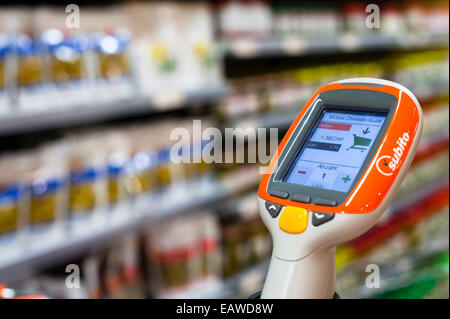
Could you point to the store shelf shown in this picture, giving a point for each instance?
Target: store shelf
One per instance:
(418, 195)
(400, 279)
(398, 271)
(64, 249)
(296, 46)
(405, 212)
(97, 111)
(280, 119)
(431, 148)
(29, 261)
(248, 280)
(283, 118)
(244, 282)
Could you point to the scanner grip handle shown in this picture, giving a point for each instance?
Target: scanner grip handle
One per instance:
(312, 277)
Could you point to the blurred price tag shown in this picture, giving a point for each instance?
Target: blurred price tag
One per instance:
(168, 99)
(242, 178)
(244, 48)
(349, 42)
(253, 124)
(252, 281)
(248, 207)
(412, 40)
(263, 169)
(293, 45)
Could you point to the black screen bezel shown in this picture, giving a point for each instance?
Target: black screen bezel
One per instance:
(336, 109)
(349, 100)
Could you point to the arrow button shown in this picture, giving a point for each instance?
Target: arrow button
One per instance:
(273, 209)
(321, 218)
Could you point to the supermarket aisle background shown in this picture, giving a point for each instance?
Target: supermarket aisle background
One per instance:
(85, 121)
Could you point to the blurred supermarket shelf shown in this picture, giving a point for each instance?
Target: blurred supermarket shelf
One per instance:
(36, 258)
(250, 280)
(282, 119)
(406, 246)
(97, 111)
(224, 65)
(400, 272)
(297, 46)
(244, 283)
(64, 249)
(419, 195)
(278, 119)
(423, 202)
(431, 148)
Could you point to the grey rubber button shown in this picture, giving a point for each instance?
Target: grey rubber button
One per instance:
(280, 194)
(321, 218)
(302, 198)
(273, 209)
(325, 202)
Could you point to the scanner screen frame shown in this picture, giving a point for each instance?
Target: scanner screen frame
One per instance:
(342, 100)
(313, 130)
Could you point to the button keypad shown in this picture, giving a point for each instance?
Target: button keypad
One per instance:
(302, 198)
(325, 202)
(280, 194)
(273, 209)
(321, 218)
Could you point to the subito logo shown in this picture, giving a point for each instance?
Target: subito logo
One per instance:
(387, 164)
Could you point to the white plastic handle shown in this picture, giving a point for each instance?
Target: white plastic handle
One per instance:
(312, 277)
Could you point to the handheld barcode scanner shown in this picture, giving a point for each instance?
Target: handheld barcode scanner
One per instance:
(334, 174)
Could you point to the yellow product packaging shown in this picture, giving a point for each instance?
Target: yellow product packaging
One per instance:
(88, 197)
(68, 66)
(11, 196)
(49, 192)
(165, 168)
(169, 173)
(122, 275)
(14, 202)
(199, 61)
(205, 167)
(118, 150)
(111, 50)
(164, 50)
(31, 79)
(196, 152)
(141, 173)
(174, 258)
(4, 51)
(141, 170)
(209, 243)
(66, 59)
(235, 250)
(114, 71)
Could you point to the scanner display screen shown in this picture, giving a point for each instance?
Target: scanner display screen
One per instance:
(335, 150)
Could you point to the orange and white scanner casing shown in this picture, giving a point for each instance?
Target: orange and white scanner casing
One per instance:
(303, 258)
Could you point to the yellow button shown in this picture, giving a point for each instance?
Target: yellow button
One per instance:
(293, 220)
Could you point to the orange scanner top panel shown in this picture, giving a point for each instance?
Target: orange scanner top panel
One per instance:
(377, 179)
